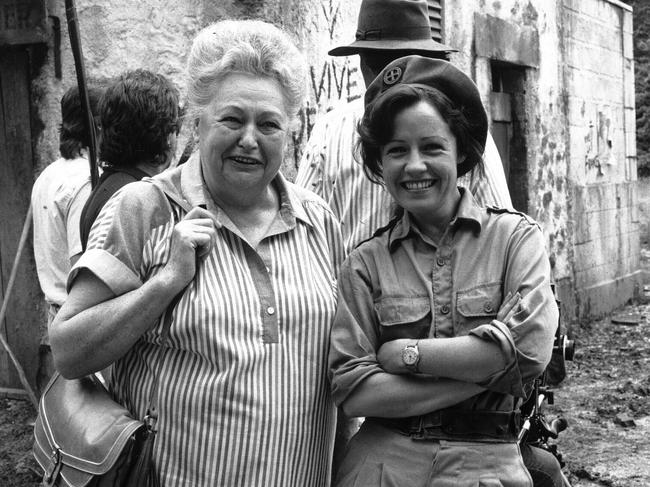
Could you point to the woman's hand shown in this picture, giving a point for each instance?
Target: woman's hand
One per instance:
(94, 327)
(389, 356)
(192, 239)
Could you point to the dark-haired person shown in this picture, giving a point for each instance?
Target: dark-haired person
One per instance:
(58, 196)
(386, 30)
(139, 121)
(446, 315)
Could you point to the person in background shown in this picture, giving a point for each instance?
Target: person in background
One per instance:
(139, 120)
(386, 30)
(243, 392)
(58, 196)
(446, 316)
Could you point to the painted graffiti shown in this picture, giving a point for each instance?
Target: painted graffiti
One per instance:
(333, 82)
(15, 16)
(331, 13)
(22, 22)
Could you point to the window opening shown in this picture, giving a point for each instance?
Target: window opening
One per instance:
(435, 19)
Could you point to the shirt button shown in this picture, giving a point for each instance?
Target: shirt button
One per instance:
(487, 307)
(440, 261)
(270, 310)
(444, 309)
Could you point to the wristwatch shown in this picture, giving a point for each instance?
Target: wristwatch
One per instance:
(411, 356)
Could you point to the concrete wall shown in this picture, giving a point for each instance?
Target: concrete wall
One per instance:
(577, 110)
(579, 133)
(599, 82)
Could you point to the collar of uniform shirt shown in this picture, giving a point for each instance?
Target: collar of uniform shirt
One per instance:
(469, 213)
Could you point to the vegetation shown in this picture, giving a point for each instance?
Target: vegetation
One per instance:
(642, 84)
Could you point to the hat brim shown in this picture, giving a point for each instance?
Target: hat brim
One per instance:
(418, 46)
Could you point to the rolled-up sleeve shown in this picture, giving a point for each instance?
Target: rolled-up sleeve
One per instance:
(354, 338)
(117, 276)
(121, 244)
(526, 340)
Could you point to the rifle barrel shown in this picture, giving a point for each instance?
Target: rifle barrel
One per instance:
(75, 44)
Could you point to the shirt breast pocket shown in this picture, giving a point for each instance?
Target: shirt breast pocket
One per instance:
(476, 306)
(403, 317)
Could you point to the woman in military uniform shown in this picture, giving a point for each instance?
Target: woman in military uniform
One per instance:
(446, 315)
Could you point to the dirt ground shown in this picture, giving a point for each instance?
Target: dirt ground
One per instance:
(606, 402)
(605, 399)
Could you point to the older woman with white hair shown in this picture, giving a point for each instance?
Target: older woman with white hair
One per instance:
(242, 385)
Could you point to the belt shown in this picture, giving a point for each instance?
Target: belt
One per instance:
(457, 424)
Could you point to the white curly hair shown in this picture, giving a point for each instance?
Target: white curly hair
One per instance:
(244, 46)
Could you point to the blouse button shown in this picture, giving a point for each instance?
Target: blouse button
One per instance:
(444, 309)
(487, 307)
(270, 310)
(440, 261)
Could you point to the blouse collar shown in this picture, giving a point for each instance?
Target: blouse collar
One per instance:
(195, 192)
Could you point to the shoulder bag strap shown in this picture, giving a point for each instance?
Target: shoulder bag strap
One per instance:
(152, 413)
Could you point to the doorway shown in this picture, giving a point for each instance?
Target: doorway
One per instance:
(21, 325)
(507, 110)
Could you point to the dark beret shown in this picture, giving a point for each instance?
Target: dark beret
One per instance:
(440, 75)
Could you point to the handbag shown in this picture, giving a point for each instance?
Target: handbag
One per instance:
(82, 437)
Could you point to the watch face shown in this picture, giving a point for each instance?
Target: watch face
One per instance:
(410, 355)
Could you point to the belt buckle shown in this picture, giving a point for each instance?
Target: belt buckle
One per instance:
(427, 431)
(419, 433)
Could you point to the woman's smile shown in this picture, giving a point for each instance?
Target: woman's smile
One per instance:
(246, 161)
(418, 185)
(419, 164)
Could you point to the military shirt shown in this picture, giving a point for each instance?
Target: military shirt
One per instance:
(401, 284)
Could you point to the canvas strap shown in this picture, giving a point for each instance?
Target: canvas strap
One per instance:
(151, 416)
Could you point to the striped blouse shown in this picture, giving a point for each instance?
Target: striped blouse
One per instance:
(332, 168)
(243, 392)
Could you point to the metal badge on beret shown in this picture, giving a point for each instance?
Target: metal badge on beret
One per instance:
(392, 76)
